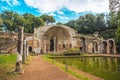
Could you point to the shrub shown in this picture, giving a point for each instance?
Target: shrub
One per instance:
(73, 50)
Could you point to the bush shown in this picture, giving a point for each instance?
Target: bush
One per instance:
(73, 50)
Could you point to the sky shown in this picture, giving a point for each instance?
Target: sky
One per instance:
(61, 10)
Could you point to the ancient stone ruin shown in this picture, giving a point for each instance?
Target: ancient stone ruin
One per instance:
(57, 39)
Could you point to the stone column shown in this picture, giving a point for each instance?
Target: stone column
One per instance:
(94, 48)
(99, 48)
(19, 51)
(45, 44)
(86, 47)
(108, 47)
(20, 41)
(27, 48)
(24, 51)
(54, 44)
(115, 51)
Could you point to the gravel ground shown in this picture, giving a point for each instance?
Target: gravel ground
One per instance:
(38, 69)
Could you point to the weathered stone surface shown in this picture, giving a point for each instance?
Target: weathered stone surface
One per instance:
(60, 38)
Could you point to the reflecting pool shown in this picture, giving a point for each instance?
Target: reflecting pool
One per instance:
(105, 67)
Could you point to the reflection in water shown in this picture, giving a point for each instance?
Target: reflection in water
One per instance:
(104, 67)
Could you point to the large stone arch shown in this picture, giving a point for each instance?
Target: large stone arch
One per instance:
(55, 38)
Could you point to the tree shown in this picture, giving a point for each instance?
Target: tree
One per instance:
(31, 21)
(59, 23)
(112, 21)
(100, 22)
(1, 21)
(7, 17)
(48, 19)
(117, 33)
(88, 24)
(12, 20)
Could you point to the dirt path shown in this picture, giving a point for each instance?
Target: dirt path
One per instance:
(39, 69)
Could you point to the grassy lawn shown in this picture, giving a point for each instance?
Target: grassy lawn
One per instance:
(7, 64)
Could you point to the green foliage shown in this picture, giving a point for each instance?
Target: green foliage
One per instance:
(8, 19)
(77, 75)
(13, 21)
(1, 21)
(117, 38)
(59, 23)
(72, 50)
(1, 24)
(7, 64)
(112, 21)
(7, 58)
(48, 19)
(88, 24)
(118, 35)
(31, 21)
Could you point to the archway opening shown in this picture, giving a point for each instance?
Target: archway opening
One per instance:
(95, 47)
(83, 47)
(51, 45)
(30, 48)
(104, 47)
(111, 45)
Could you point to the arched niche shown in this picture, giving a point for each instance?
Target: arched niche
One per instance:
(104, 47)
(57, 39)
(95, 47)
(83, 45)
(111, 46)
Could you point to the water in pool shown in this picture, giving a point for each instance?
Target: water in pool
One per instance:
(105, 67)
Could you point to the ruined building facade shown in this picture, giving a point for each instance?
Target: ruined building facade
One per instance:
(57, 39)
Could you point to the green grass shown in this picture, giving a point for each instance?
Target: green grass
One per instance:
(7, 64)
(62, 66)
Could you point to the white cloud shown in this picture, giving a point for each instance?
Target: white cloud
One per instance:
(11, 2)
(46, 6)
(52, 14)
(2, 8)
(15, 2)
(60, 12)
(63, 17)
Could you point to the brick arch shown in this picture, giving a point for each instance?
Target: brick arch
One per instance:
(95, 47)
(104, 46)
(111, 46)
(83, 45)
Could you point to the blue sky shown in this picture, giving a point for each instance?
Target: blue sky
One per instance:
(61, 10)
